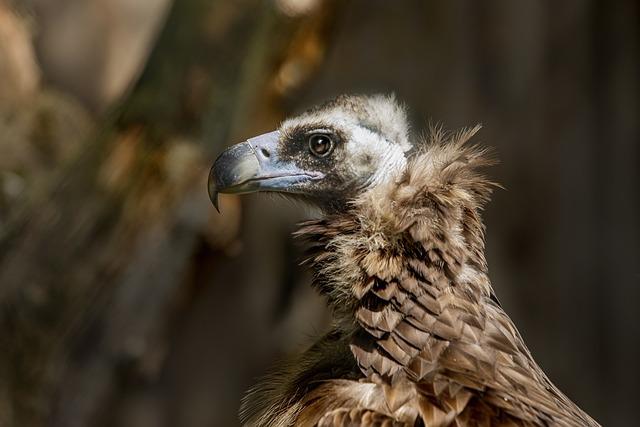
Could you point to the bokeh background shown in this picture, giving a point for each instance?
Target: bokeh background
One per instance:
(125, 300)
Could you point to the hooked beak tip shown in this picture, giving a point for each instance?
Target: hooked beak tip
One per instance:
(213, 191)
(214, 200)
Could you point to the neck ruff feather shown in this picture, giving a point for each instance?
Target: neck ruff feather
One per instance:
(433, 207)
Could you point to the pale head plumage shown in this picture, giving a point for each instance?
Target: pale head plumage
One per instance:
(371, 140)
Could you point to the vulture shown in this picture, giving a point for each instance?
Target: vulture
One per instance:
(418, 336)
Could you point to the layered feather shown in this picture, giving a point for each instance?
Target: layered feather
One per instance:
(426, 340)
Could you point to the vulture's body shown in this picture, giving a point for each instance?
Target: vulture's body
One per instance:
(419, 337)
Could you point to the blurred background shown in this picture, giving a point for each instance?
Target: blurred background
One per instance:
(126, 300)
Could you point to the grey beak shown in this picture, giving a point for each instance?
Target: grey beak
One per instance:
(234, 166)
(254, 165)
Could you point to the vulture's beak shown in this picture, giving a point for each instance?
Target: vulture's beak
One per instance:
(255, 165)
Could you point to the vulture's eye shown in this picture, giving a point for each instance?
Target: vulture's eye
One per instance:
(320, 145)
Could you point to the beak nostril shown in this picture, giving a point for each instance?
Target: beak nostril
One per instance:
(265, 152)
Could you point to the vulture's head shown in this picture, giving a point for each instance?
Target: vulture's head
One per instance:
(327, 155)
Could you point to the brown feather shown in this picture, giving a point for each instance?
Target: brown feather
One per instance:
(420, 338)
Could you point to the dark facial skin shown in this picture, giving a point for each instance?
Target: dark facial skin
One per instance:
(338, 185)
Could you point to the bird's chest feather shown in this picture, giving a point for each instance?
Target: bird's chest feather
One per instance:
(398, 402)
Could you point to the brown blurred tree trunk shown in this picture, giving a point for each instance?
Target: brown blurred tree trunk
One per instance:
(92, 267)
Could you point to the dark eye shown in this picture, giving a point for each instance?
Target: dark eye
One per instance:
(320, 145)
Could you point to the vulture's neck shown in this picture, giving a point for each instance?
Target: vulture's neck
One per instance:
(405, 273)
(418, 240)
